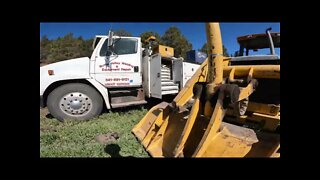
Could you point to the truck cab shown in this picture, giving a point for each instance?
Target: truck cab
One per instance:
(121, 66)
(119, 73)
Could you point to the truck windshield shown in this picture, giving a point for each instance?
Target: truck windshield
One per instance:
(121, 46)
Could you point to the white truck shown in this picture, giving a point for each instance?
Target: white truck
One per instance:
(119, 73)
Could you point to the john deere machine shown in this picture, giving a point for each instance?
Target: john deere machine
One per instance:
(229, 108)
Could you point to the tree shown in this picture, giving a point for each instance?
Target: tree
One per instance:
(87, 48)
(204, 49)
(173, 38)
(67, 47)
(122, 32)
(44, 42)
(144, 36)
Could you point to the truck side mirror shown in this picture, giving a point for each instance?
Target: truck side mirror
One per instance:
(110, 44)
(110, 38)
(109, 47)
(109, 52)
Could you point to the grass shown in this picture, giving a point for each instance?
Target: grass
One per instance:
(77, 139)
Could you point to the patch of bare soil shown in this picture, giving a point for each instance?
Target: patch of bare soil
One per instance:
(107, 138)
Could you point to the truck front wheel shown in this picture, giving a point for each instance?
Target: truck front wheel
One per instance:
(74, 101)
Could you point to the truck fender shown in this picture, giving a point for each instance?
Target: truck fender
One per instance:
(103, 91)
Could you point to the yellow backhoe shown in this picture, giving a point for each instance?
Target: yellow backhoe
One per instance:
(227, 109)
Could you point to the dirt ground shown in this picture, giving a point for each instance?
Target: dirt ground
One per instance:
(43, 112)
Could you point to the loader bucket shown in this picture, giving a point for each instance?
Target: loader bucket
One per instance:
(165, 133)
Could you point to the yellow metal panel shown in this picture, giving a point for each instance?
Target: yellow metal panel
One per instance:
(268, 145)
(226, 61)
(260, 71)
(187, 129)
(231, 141)
(151, 38)
(167, 137)
(155, 145)
(165, 51)
(245, 92)
(276, 153)
(144, 126)
(270, 122)
(231, 74)
(212, 127)
(156, 125)
(269, 109)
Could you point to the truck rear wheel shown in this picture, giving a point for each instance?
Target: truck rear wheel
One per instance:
(74, 101)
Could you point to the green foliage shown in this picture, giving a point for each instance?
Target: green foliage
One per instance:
(69, 47)
(204, 49)
(174, 38)
(64, 48)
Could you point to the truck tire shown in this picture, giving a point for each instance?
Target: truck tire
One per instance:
(74, 101)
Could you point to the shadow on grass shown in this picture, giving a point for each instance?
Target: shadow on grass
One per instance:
(49, 116)
(113, 150)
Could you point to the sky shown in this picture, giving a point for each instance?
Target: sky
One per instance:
(193, 31)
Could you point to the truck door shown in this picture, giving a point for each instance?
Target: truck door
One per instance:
(124, 66)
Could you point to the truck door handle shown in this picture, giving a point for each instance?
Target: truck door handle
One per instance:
(158, 75)
(136, 68)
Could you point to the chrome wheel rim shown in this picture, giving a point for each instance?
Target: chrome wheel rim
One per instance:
(75, 104)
